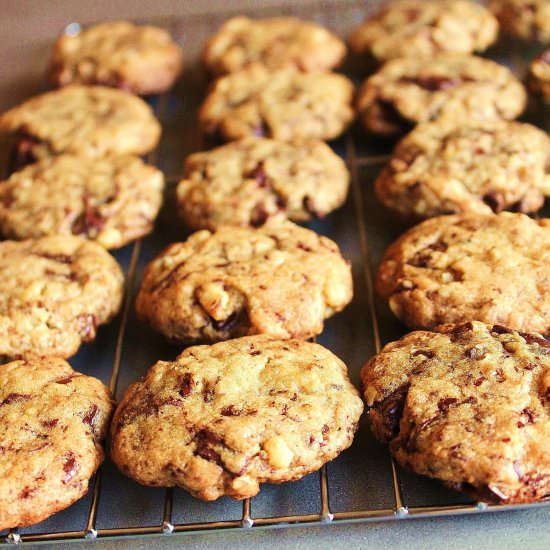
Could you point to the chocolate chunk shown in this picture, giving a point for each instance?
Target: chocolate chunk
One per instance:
(90, 222)
(15, 398)
(231, 410)
(90, 415)
(50, 423)
(205, 440)
(186, 385)
(445, 403)
(70, 467)
(391, 409)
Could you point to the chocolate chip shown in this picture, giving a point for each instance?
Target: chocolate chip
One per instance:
(15, 398)
(90, 222)
(259, 215)
(445, 403)
(186, 384)
(90, 415)
(225, 324)
(70, 467)
(391, 409)
(205, 440)
(50, 423)
(425, 352)
(231, 410)
(66, 380)
(432, 83)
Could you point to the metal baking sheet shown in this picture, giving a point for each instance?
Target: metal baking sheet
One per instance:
(363, 484)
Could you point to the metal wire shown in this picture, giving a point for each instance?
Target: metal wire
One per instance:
(328, 14)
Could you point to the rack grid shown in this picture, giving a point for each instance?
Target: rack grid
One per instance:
(363, 233)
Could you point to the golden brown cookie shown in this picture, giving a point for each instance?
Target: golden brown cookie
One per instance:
(281, 279)
(452, 87)
(424, 28)
(52, 422)
(141, 59)
(538, 76)
(222, 419)
(527, 19)
(467, 406)
(481, 167)
(275, 42)
(453, 269)
(54, 293)
(283, 104)
(253, 180)
(111, 200)
(91, 121)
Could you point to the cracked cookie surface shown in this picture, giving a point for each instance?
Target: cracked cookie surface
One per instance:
(468, 406)
(275, 42)
(528, 19)
(52, 421)
(280, 279)
(453, 269)
(451, 87)
(283, 104)
(222, 419)
(54, 292)
(110, 200)
(91, 121)
(422, 29)
(475, 168)
(141, 59)
(253, 180)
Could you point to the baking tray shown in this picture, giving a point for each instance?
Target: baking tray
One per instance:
(361, 485)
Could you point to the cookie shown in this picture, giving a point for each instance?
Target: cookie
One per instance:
(454, 87)
(453, 269)
(110, 200)
(54, 293)
(538, 76)
(283, 104)
(275, 42)
(467, 406)
(222, 419)
(139, 59)
(527, 19)
(52, 421)
(422, 29)
(281, 279)
(253, 180)
(478, 167)
(91, 121)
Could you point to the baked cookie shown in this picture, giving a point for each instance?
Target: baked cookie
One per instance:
(281, 279)
(283, 105)
(467, 406)
(252, 180)
(538, 76)
(424, 28)
(479, 167)
(222, 419)
(52, 421)
(54, 292)
(451, 86)
(528, 19)
(452, 269)
(139, 59)
(276, 43)
(111, 200)
(91, 121)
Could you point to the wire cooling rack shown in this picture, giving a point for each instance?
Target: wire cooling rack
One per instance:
(363, 484)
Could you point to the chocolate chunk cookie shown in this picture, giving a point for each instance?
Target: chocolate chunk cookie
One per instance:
(54, 292)
(222, 419)
(110, 200)
(453, 269)
(451, 86)
(280, 279)
(91, 121)
(139, 59)
(467, 406)
(528, 19)
(52, 421)
(422, 29)
(252, 180)
(276, 43)
(538, 76)
(480, 167)
(283, 104)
